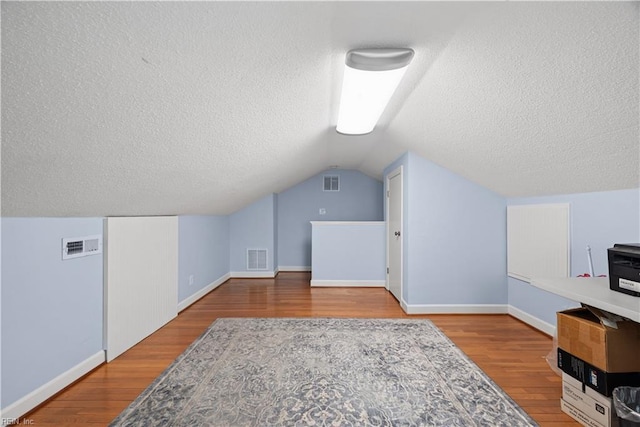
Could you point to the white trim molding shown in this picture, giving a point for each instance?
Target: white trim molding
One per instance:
(202, 292)
(515, 312)
(346, 222)
(454, 308)
(532, 321)
(348, 283)
(39, 395)
(286, 268)
(253, 274)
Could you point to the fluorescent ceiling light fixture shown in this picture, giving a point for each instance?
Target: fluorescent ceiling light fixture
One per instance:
(371, 76)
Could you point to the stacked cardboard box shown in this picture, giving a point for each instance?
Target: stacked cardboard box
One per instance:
(586, 405)
(597, 351)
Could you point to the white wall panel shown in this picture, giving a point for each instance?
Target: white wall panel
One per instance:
(141, 279)
(538, 241)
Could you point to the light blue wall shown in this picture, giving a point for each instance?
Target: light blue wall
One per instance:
(203, 252)
(51, 309)
(348, 251)
(598, 219)
(457, 242)
(540, 304)
(252, 228)
(454, 237)
(359, 199)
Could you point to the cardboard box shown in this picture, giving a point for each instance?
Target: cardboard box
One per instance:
(601, 339)
(599, 380)
(592, 404)
(577, 415)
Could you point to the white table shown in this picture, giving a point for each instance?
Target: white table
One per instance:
(593, 291)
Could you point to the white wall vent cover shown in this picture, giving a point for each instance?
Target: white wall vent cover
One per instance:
(331, 183)
(76, 247)
(256, 259)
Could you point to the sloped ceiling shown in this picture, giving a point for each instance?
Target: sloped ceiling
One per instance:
(152, 108)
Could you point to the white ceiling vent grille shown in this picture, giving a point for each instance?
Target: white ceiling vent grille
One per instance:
(256, 259)
(75, 247)
(331, 183)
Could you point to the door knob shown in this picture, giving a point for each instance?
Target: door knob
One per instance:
(397, 234)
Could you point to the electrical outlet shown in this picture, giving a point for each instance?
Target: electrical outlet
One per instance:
(191, 280)
(322, 211)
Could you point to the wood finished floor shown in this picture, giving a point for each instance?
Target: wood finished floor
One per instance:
(509, 351)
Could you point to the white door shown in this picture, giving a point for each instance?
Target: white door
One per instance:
(394, 233)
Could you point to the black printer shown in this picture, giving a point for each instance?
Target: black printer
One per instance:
(624, 268)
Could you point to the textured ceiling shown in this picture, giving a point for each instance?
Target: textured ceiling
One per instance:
(151, 108)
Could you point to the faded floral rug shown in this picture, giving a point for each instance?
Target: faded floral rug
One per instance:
(323, 372)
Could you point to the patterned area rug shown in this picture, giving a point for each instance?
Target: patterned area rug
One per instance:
(323, 372)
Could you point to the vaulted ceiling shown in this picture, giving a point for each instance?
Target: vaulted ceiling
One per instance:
(151, 108)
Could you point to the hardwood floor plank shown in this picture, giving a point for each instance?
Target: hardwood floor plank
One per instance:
(509, 351)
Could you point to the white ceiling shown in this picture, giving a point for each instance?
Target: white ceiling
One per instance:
(150, 108)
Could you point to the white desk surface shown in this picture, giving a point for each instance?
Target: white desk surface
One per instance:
(593, 291)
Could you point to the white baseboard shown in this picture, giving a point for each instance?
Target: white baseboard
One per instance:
(530, 320)
(253, 274)
(39, 395)
(348, 283)
(454, 308)
(294, 268)
(202, 292)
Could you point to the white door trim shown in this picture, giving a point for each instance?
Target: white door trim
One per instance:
(397, 171)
